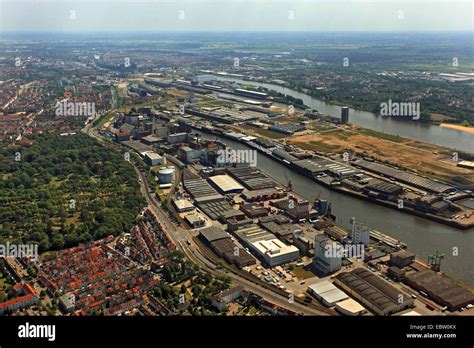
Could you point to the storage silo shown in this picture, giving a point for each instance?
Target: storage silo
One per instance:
(166, 175)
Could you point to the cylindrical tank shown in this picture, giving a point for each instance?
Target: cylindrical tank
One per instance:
(166, 175)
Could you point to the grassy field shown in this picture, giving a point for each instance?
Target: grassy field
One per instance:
(380, 135)
(440, 118)
(213, 103)
(301, 272)
(319, 146)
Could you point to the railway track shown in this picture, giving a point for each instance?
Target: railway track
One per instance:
(209, 254)
(208, 262)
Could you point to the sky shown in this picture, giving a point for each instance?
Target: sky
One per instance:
(235, 15)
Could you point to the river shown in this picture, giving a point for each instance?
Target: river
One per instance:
(428, 133)
(422, 236)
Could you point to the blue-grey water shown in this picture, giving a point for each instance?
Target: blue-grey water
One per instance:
(428, 133)
(422, 236)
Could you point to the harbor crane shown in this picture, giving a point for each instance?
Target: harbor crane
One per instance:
(434, 260)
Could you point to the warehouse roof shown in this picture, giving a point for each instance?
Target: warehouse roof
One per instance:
(151, 139)
(191, 218)
(404, 176)
(253, 233)
(200, 190)
(183, 204)
(372, 288)
(284, 155)
(350, 306)
(251, 177)
(232, 253)
(328, 292)
(226, 184)
(213, 233)
(383, 186)
(267, 192)
(126, 127)
(223, 245)
(441, 288)
(274, 247)
(314, 165)
(215, 209)
(403, 254)
(152, 155)
(322, 287)
(253, 210)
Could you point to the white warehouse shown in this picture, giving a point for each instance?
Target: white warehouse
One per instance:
(275, 252)
(327, 292)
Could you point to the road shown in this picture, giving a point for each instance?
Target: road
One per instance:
(180, 237)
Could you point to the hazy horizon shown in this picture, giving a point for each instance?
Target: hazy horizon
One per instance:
(119, 16)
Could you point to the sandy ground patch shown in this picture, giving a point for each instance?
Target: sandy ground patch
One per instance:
(458, 127)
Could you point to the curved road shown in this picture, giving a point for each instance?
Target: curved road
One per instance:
(191, 251)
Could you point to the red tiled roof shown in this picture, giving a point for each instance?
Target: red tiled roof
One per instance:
(30, 292)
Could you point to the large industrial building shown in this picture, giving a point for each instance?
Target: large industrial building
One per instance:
(225, 184)
(440, 289)
(405, 177)
(359, 233)
(284, 155)
(154, 159)
(350, 307)
(251, 94)
(194, 221)
(401, 258)
(222, 245)
(262, 195)
(199, 188)
(275, 252)
(204, 153)
(251, 177)
(313, 166)
(340, 171)
(178, 138)
(373, 292)
(326, 263)
(466, 164)
(266, 246)
(297, 208)
(279, 225)
(212, 234)
(215, 209)
(182, 205)
(383, 189)
(254, 210)
(327, 293)
(223, 115)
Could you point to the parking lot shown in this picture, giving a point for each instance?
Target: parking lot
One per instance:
(294, 277)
